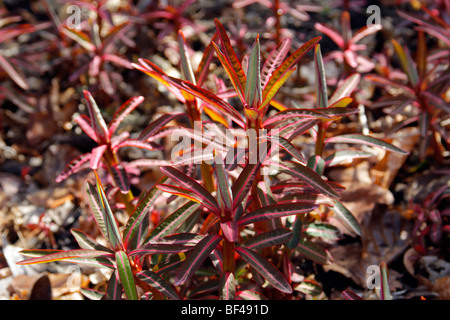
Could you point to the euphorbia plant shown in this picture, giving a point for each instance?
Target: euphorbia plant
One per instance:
(349, 47)
(242, 218)
(423, 89)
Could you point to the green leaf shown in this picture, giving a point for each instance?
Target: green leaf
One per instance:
(94, 258)
(196, 257)
(186, 66)
(253, 84)
(126, 275)
(289, 63)
(91, 294)
(86, 242)
(317, 164)
(102, 213)
(269, 94)
(114, 287)
(173, 221)
(268, 239)
(346, 157)
(313, 251)
(244, 182)
(321, 80)
(366, 140)
(345, 88)
(346, 217)
(310, 287)
(154, 280)
(139, 216)
(265, 269)
(296, 233)
(385, 294)
(227, 287)
(322, 230)
(406, 63)
(224, 192)
(275, 211)
(180, 242)
(311, 178)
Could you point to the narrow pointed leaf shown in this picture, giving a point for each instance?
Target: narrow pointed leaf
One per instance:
(173, 221)
(289, 63)
(122, 112)
(96, 156)
(366, 140)
(346, 157)
(14, 74)
(114, 287)
(265, 269)
(244, 182)
(269, 94)
(345, 88)
(313, 251)
(85, 124)
(213, 101)
(73, 167)
(92, 294)
(253, 84)
(155, 280)
(346, 217)
(231, 56)
(120, 178)
(203, 67)
(196, 257)
(140, 214)
(268, 239)
(98, 123)
(227, 287)
(126, 275)
(188, 183)
(274, 60)
(311, 178)
(156, 73)
(157, 124)
(102, 213)
(80, 37)
(322, 230)
(293, 113)
(223, 185)
(235, 81)
(385, 293)
(276, 211)
(406, 62)
(332, 33)
(86, 242)
(45, 256)
(350, 295)
(186, 66)
(321, 80)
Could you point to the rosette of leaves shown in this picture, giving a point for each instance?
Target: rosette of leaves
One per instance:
(106, 154)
